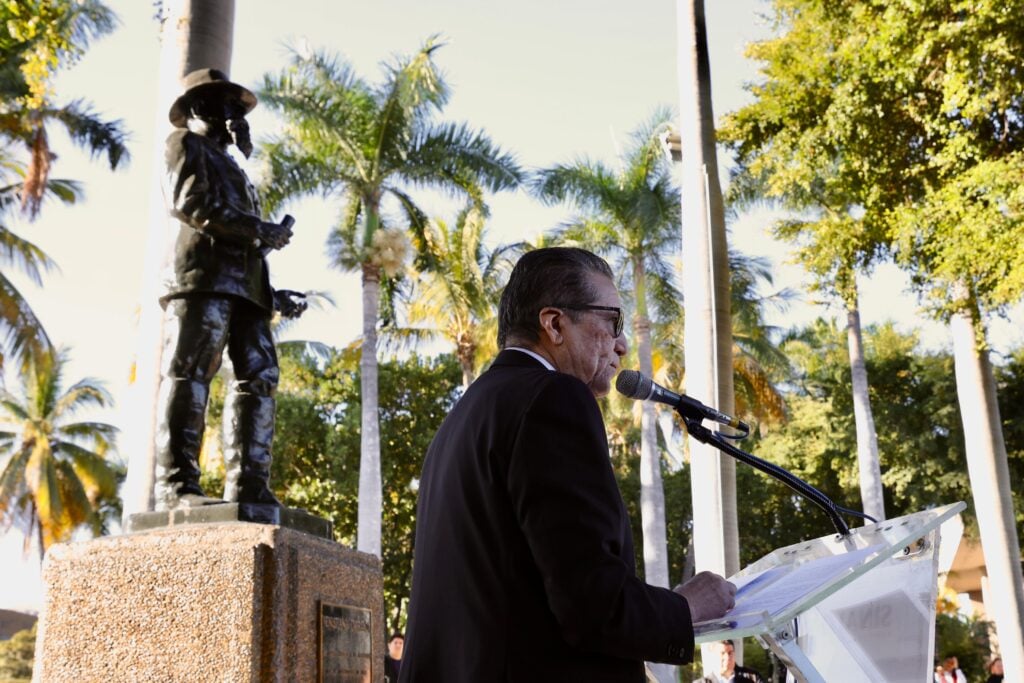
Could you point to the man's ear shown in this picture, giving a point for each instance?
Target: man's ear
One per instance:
(551, 324)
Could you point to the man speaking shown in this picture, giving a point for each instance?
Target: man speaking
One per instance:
(524, 565)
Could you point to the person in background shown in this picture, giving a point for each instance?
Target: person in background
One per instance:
(949, 671)
(393, 659)
(995, 671)
(728, 670)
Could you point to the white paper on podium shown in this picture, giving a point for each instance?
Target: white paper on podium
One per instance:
(773, 590)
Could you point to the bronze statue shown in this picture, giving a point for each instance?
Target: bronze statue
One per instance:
(221, 296)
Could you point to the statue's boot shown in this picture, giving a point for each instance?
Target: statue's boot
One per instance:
(178, 442)
(251, 441)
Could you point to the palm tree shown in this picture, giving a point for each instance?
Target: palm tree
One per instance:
(708, 331)
(632, 217)
(28, 59)
(54, 473)
(458, 297)
(365, 144)
(757, 360)
(24, 336)
(833, 249)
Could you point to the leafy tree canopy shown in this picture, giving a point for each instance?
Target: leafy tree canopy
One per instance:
(908, 116)
(37, 37)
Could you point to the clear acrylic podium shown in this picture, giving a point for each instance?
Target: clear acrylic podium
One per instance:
(860, 608)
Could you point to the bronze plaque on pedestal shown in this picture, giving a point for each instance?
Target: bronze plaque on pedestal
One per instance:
(345, 655)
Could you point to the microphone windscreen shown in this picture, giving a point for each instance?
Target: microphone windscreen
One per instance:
(632, 384)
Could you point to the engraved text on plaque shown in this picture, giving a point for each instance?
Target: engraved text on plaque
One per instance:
(344, 644)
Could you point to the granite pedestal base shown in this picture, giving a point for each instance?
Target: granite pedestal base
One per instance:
(220, 602)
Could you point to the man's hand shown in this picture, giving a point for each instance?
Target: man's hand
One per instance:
(709, 595)
(285, 302)
(276, 235)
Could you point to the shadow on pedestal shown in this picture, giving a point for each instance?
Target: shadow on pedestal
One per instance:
(291, 518)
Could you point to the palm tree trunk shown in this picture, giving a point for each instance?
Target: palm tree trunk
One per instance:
(193, 34)
(652, 492)
(867, 439)
(990, 485)
(708, 329)
(466, 351)
(370, 495)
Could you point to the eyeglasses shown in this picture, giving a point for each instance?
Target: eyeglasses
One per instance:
(617, 324)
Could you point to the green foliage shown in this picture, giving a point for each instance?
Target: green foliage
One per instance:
(17, 655)
(917, 421)
(965, 638)
(316, 448)
(37, 37)
(55, 474)
(630, 216)
(362, 143)
(921, 444)
(456, 297)
(907, 115)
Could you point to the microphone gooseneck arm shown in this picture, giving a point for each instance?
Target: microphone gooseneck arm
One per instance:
(705, 435)
(633, 384)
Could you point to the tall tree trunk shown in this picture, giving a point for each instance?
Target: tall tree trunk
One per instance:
(466, 351)
(194, 34)
(370, 492)
(652, 492)
(867, 439)
(708, 327)
(990, 485)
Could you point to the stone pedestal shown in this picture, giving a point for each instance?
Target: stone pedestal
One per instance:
(219, 602)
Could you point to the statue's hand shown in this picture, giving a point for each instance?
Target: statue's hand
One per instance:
(290, 303)
(275, 235)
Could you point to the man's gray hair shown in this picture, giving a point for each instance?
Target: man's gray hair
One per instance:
(546, 277)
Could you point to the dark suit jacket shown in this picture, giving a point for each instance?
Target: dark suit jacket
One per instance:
(218, 212)
(524, 565)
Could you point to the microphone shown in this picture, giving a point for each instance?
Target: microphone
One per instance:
(632, 384)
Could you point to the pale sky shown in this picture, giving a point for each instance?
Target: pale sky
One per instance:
(548, 80)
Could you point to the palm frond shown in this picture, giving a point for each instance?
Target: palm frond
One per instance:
(87, 130)
(75, 504)
(343, 248)
(304, 347)
(12, 481)
(85, 21)
(98, 476)
(417, 221)
(84, 393)
(587, 184)
(290, 173)
(13, 406)
(413, 87)
(397, 340)
(454, 155)
(24, 335)
(100, 432)
(24, 256)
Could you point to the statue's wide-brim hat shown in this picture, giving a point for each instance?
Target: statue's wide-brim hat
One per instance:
(204, 83)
